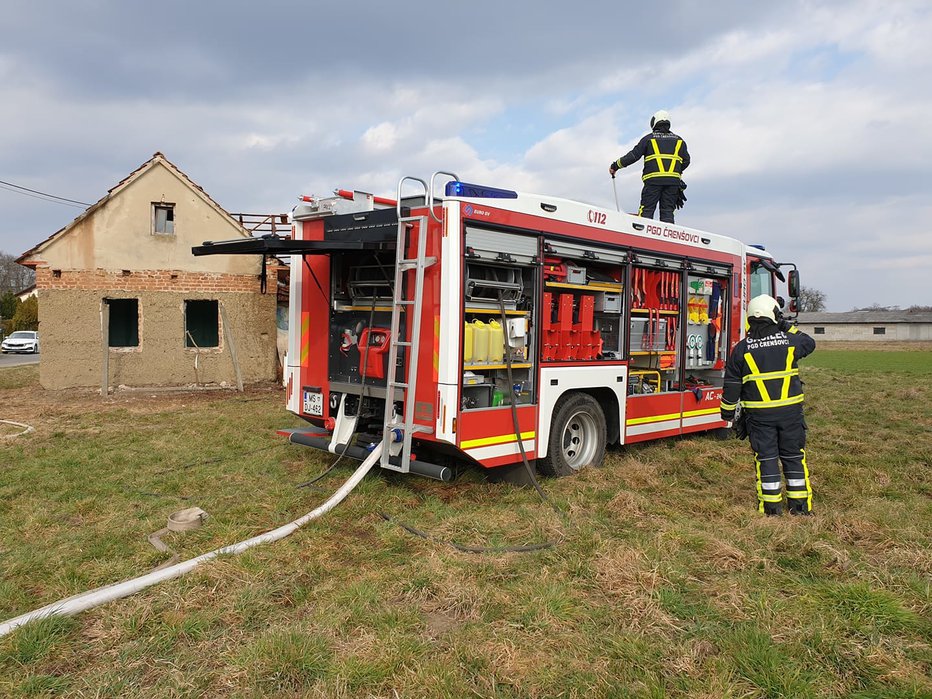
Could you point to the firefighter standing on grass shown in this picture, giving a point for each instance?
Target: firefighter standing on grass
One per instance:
(762, 376)
(665, 157)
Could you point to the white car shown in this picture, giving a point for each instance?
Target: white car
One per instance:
(21, 341)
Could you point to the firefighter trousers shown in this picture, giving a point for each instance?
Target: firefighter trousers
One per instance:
(666, 194)
(778, 436)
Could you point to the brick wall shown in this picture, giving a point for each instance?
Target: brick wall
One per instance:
(148, 280)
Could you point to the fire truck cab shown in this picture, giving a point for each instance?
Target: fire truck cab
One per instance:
(488, 326)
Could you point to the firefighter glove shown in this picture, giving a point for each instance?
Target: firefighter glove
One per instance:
(728, 415)
(740, 426)
(613, 168)
(681, 196)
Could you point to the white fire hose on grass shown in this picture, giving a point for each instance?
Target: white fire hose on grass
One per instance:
(94, 598)
(26, 429)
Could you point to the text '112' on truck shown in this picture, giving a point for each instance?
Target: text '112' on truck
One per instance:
(490, 326)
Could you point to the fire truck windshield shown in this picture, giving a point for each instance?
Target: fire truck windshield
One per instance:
(760, 281)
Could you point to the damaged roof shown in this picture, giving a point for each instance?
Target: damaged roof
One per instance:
(157, 159)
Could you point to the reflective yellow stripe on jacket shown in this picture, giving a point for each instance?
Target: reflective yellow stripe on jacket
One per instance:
(761, 378)
(772, 403)
(660, 159)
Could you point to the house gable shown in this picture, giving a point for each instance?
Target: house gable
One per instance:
(117, 233)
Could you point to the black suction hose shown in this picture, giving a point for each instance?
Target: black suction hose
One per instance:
(514, 408)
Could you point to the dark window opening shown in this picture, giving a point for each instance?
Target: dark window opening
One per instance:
(163, 219)
(880, 331)
(818, 330)
(123, 330)
(201, 324)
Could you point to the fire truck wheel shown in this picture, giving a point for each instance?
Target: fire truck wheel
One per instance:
(577, 436)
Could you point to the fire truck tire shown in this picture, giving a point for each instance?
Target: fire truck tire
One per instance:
(577, 436)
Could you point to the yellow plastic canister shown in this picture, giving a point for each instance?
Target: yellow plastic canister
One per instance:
(468, 341)
(496, 342)
(480, 333)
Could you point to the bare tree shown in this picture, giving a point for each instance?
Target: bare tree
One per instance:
(14, 277)
(810, 300)
(878, 307)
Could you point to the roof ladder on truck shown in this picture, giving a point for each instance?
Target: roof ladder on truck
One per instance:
(397, 435)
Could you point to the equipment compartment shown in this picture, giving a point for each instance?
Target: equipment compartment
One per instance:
(706, 327)
(485, 283)
(496, 287)
(654, 344)
(581, 305)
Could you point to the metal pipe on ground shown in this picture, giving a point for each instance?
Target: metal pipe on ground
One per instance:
(94, 598)
(420, 468)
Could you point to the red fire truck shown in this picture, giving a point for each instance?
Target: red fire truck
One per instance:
(489, 326)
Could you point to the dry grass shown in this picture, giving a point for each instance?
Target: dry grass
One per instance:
(665, 581)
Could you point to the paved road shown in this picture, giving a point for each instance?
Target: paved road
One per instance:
(18, 359)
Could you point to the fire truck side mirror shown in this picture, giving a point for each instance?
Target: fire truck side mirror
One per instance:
(792, 284)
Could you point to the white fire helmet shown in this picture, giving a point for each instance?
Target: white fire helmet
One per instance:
(659, 116)
(763, 306)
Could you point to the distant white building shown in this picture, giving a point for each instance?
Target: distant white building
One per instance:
(27, 292)
(870, 326)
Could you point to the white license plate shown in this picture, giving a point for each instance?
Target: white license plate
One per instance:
(313, 403)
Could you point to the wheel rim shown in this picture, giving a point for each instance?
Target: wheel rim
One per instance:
(580, 440)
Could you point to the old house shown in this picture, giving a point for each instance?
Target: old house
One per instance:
(123, 302)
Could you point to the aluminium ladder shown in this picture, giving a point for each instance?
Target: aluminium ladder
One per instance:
(412, 308)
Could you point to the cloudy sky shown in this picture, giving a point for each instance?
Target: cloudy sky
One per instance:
(809, 122)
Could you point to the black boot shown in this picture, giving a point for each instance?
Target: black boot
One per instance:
(773, 509)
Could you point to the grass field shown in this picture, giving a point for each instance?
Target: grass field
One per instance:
(664, 582)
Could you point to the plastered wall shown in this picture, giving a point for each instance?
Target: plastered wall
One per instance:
(72, 340)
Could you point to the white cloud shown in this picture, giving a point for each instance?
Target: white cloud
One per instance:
(380, 138)
(795, 115)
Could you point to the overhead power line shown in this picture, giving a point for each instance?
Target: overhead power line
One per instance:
(35, 196)
(44, 196)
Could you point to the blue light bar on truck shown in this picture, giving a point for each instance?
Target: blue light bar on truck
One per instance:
(478, 191)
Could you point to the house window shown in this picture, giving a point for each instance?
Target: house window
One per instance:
(163, 219)
(819, 330)
(123, 330)
(201, 324)
(880, 331)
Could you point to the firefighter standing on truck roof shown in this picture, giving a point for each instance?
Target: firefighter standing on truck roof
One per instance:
(665, 157)
(762, 376)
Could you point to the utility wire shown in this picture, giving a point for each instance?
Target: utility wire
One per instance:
(34, 196)
(45, 196)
